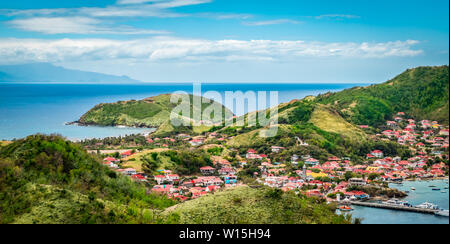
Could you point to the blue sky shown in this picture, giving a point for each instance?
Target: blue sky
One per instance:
(228, 40)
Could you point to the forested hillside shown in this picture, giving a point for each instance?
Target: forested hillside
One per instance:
(46, 179)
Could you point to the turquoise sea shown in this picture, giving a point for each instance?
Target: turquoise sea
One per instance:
(45, 108)
(423, 193)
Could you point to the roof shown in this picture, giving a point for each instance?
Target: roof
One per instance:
(207, 168)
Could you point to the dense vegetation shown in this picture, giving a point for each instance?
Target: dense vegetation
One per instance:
(245, 205)
(50, 172)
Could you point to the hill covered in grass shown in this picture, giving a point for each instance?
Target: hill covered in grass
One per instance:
(150, 112)
(46, 179)
(245, 205)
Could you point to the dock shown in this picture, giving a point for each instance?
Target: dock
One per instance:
(394, 207)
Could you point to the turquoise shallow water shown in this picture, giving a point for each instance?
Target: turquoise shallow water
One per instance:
(423, 193)
(27, 109)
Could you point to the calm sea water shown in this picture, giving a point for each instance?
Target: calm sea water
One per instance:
(45, 108)
(423, 193)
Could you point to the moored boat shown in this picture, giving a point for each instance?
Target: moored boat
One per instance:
(345, 208)
(427, 205)
(397, 202)
(443, 213)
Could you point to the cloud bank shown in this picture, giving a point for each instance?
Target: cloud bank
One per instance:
(160, 49)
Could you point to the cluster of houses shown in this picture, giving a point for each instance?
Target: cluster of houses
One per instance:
(222, 175)
(427, 140)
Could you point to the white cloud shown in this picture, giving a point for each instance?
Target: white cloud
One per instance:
(272, 22)
(337, 16)
(74, 25)
(161, 49)
(123, 8)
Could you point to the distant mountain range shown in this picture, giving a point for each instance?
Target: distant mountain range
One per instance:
(48, 73)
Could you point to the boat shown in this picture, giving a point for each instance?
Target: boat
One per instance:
(345, 208)
(446, 187)
(436, 189)
(427, 205)
(432, 186)
(442, 212)
(443, 192)
(396, 202)
(413, 189)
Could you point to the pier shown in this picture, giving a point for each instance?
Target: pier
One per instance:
(394, 207)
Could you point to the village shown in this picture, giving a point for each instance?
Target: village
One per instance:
(332, 180)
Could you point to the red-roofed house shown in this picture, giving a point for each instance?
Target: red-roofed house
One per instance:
(208, 170)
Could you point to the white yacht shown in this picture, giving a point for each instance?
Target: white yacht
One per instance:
(427, 205)
(397, 202)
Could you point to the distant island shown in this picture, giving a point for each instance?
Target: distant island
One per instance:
(49, 73)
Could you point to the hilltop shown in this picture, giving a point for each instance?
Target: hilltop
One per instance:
(150, 112)
(48, 73)
(421, 92)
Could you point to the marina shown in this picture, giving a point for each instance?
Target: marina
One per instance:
(421, 194)
(395, 207)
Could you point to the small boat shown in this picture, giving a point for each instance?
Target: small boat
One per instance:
(443, 192)
(436, 189)
(413, 189)
(432, 186)
(443, 213)
(446, 187)
(345, 208)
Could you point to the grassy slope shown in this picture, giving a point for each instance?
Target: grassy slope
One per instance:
(245, 205)
(134, 161)
(330, 121)
(54, 205)
(253, 137)
(4, 143)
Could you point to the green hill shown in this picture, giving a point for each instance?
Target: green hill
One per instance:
(329, 123)
(46, 179)
(420, 92)
(245, 205)
(150, 112)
